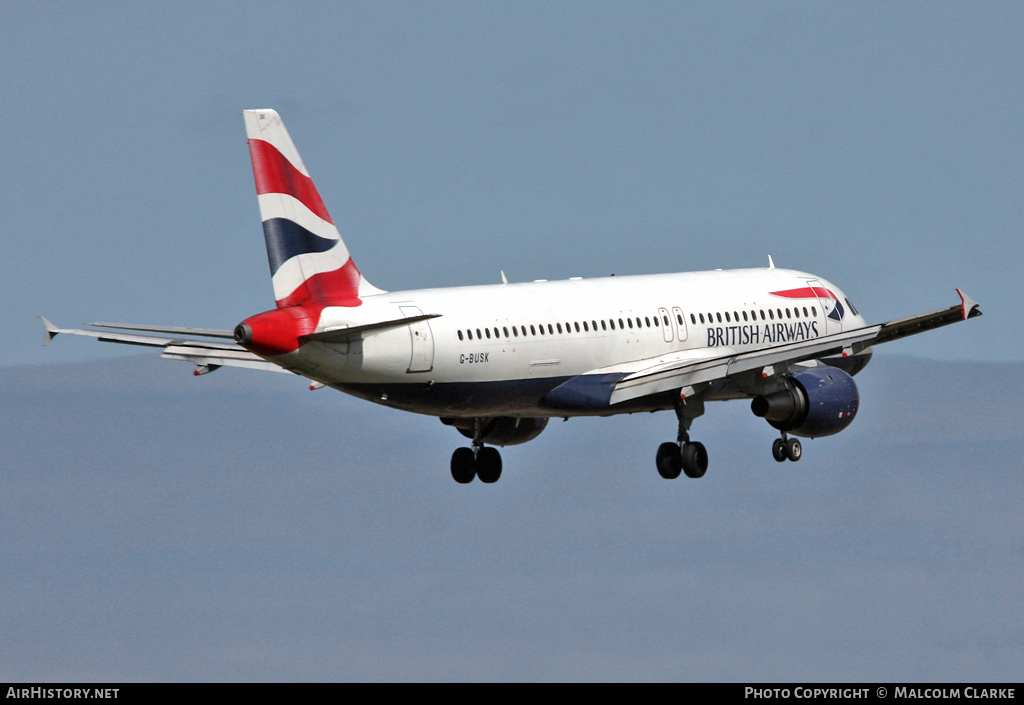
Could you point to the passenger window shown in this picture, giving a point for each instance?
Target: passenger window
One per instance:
(488, 332)
(727, 317)
(593, 324)
(576, 325)
(620, 324)
(805, 312)
(603, 326)
(533, 331)
(719, 317)
(787, 314)
(735, 316)
(497, 333)
(648, 320)
(744, 315)
(630, 322)
(586, 328)
(479, 335)
(611, 323)
(693, 319)
(771, 314)
(460, 335)
(779, 311)
(515, 332)
(702, 318)
(505, 329)
(796, 312)
(551, 329)
(559, 327)
(814, 311)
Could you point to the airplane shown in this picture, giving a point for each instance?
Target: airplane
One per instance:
(496, 362)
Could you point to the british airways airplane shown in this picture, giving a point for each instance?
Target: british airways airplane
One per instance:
(496, 362)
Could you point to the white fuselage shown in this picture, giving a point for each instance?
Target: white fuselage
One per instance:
(489, 337)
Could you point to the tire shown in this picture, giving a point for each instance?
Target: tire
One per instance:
(794, 451)
(669, 461)
(695, 460)
(463, 465)
(488, 465)
(779, 450)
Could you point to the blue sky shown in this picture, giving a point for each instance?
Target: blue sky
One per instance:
(878, 146)
(235, 526)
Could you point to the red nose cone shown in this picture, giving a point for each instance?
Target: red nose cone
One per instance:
(276, 332)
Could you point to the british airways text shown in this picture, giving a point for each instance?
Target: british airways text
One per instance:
(754, 335)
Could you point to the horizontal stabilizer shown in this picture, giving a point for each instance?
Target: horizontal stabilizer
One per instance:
(173, 330)
(344, 335)
(205, 354)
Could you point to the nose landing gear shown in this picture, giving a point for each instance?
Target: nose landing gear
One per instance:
(479, 461)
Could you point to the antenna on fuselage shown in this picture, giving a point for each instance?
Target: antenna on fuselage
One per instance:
(504, 279)
(771, 263)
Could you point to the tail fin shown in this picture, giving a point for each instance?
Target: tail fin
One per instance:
(308, 259)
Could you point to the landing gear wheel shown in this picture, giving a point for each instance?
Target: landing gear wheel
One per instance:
(695, 460)
(779, 450)
(670, 461)
(464, 465)
(488, 465)
(794, 451)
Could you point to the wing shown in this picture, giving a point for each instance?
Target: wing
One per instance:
(613, 385)
(206, 355)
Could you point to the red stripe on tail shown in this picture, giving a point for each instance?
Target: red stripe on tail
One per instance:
(275, 174)
(337, 288)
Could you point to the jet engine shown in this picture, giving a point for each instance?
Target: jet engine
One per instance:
(816, 402)
(500, 430)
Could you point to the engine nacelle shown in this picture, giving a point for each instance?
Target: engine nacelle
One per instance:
(501, 430)
(816, 402)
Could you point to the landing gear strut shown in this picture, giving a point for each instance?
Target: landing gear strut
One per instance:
(683, 456)
(478, 461)
(787, 449)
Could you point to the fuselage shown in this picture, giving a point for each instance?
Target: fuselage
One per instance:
(499, 349)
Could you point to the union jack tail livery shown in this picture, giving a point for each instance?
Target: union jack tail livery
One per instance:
(309, 262)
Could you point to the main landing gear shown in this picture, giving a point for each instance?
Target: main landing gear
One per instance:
(479, 461)
(787, 449)
(683, 456)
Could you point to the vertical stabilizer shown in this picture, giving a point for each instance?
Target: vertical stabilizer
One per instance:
(308, 259)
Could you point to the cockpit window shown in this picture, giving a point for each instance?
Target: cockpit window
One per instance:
(852, 307)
